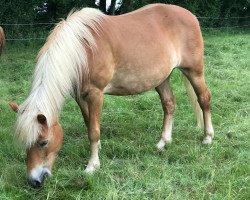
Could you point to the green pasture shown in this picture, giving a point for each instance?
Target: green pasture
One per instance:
(131, 167)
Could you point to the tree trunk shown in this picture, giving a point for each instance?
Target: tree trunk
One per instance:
(92, 4)
(125, 7)
(102, 6)
(52, 10)
(111, 10)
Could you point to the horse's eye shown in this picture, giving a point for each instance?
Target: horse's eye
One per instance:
(43, 143)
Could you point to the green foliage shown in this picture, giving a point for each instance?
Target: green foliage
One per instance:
(30, 12)
(131, 166)
(16, 11)
(35, 11)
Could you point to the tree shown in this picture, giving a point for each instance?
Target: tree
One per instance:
(102, 5)
(35, 11)
(111, 10)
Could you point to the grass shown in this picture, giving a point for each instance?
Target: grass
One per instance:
(131, 168)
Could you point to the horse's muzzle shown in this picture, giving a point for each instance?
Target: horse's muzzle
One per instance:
(37, 176)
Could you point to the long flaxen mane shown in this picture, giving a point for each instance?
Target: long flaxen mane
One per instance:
(61, 63)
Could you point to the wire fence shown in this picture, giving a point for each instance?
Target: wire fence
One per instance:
(226, 27)
(223, 18)
(51, 24)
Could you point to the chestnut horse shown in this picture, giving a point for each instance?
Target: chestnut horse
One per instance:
(2, 39)
(90, 54)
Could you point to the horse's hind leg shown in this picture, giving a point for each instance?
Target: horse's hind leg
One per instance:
(196, 78)
(168, 105)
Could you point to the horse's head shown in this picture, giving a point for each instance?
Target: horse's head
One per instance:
(41, 155)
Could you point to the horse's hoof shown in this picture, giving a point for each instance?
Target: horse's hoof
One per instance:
(161, 144)
(207, 140)
(90, 169)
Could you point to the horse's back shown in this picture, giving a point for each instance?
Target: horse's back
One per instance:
(167, 18)
(168, 26)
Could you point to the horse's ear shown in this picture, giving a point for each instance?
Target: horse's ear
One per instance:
(42, 119)
(13, 105)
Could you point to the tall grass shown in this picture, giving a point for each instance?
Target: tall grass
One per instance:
(131, 167)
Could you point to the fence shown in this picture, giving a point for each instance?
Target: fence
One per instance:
(49, 25)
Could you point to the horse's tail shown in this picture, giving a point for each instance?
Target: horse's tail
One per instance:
(193, 100)
(2, 39)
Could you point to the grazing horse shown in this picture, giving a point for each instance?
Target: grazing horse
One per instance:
(91, 54)
(2, 39)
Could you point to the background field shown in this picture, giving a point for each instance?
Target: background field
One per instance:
(131, 168)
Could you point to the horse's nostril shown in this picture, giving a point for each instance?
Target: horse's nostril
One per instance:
(35, 183)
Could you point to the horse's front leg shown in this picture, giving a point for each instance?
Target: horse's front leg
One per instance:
(84, 109)
(94, 101)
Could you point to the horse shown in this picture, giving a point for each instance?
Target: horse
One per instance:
(2, 39)
(91, 54)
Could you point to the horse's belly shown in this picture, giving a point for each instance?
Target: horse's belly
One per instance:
(135, 81)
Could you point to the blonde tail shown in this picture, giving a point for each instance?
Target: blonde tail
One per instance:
(193, 100)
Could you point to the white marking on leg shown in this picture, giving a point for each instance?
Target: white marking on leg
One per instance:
(209, 131)
(94, 162)
(166, 137)
(93, 165)
(99, 145)
(160, 145)
(208, 136)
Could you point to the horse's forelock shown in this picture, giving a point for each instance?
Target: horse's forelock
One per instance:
(27, 128)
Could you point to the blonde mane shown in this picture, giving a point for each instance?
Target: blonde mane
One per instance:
(61, 68)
